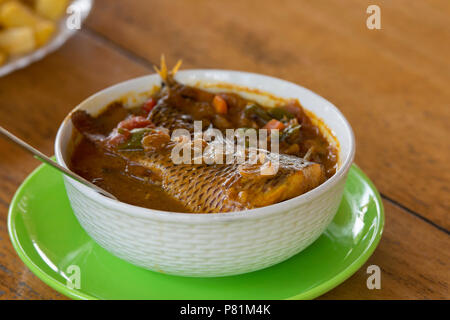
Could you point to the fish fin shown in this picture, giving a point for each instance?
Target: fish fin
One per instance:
(166, 74)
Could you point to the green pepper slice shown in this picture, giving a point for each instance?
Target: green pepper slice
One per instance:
(135, 140)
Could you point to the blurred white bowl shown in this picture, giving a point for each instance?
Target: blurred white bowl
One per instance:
(208, 245)
(82, 7)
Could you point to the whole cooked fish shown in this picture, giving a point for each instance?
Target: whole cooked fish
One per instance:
(202, 188)
(212, 188)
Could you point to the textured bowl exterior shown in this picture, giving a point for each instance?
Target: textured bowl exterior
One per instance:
(209, 245)
(206, 249)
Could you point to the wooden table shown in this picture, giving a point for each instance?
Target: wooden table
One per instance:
(392, 84)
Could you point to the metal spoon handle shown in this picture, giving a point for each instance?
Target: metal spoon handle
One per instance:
(42, 157)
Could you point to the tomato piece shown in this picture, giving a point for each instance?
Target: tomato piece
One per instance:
(149, 105)
(118, 137)
(274, 124)
(135, 122)
(220, 105)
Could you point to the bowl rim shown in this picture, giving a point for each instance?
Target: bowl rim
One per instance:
(257, 213)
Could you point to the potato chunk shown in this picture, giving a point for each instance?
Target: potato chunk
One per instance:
(19, 40)
(43, 30)
(15, 14)
(51, 9)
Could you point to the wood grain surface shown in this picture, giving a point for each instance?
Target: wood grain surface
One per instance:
(392, 85)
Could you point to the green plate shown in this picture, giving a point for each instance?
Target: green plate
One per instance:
(49, 239)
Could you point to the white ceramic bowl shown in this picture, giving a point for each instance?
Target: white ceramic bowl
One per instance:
(209, 245)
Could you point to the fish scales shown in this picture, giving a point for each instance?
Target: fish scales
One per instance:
(217, 188)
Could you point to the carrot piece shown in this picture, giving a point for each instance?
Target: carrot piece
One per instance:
(149, 105)
(220, 105)
(134, 122)
(274, 124)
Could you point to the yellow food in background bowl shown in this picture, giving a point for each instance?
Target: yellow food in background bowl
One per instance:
(27, 25)
(51, 9)
(16, 14)
(43, 31)
(18, 40)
